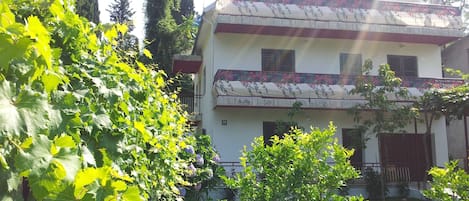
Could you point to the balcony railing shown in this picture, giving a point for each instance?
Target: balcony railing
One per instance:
(326, 79)
(188, 101)
(379, 5)
(282, 89)
(392, 174)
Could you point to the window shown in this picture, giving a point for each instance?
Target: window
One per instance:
(352, 139)
(403, 65)
(278, 60)
(268, 130)
(279, 128)
(350, 64)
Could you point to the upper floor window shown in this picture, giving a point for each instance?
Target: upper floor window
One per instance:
(403, 65)
(350, 64)
(278, 60)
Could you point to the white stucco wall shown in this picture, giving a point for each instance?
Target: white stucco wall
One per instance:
(243, 52)
(243, 125)
(313, 55)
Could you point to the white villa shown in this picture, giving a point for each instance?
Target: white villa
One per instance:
(254, 58)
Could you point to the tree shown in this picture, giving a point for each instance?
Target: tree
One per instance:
(381, 111)
(78, 121)
(301, 166)
(88, 9)
(169, 30)
(388, 107)
(121, 13)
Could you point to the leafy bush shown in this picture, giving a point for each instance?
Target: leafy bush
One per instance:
(449, 183)
(206, 173)
(77, 121)
(301, 166)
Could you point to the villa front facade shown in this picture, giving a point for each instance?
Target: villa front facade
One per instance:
(253, 60)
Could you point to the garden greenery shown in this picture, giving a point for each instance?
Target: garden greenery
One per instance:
(449, 183)
(301, 166)
(77, 121)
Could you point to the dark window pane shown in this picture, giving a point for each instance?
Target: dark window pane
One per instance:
(352, 139)
(403, 65)
(350, 64)
(278, 60)
(268, 129)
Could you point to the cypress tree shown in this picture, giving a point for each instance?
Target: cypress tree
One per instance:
(88, 9)
(120, 12)
(169, 30)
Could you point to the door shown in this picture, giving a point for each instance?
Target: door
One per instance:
(352, 139)
(407, 150)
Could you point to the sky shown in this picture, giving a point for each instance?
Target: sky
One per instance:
(139, 16)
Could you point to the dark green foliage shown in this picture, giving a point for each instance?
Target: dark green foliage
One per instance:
(186, 10)
(403, 188)
(374, 184)
(88, 9)
(169, 30)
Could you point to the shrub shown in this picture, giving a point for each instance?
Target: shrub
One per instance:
(449, 183)
(301, 166)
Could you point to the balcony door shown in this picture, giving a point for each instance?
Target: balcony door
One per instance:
(407, 150)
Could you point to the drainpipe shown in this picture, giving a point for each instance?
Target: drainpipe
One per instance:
(465, 140)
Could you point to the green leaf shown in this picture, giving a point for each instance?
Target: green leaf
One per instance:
(147, 53)
(141, 128)
(4, 163)
(88, 156)
(6, 18)
(102, 121)
(38, 159)
(51, 80)
(25, 113)
(85, 177)
(132, 193)
(65, 141)
(119, 185)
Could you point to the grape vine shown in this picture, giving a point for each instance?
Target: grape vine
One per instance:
(77, 121)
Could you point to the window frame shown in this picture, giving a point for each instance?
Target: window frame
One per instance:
(344, 64)
(278, 61)
(403, 69)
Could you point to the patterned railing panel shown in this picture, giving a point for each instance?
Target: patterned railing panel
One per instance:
(392, 174)
(369, 4)
(326, 79)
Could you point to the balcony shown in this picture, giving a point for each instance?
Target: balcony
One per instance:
(357, 19)
(235, 88)
(392, 174)
(188, 102)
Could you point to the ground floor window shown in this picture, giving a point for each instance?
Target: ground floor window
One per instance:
(352, 139)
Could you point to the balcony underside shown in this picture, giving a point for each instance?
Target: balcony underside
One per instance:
(235, 88)
(413, 35)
